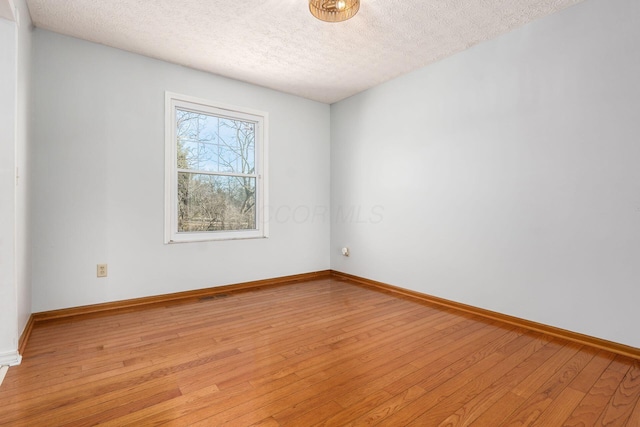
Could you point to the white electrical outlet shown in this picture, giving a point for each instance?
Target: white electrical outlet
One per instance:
(102, 270)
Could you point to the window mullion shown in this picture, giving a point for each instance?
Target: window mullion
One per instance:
(200, 172)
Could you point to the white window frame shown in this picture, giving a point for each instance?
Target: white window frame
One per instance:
(260, 118)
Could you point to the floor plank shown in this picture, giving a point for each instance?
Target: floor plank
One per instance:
(623, 401)
(596, 399)
(318, 353)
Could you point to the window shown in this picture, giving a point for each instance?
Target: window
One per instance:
(215, 185)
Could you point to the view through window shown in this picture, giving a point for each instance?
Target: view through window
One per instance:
(217, 171)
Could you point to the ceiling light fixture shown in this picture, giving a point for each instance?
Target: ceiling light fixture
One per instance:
(334, 10)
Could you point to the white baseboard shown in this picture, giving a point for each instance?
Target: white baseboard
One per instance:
(3, 372)
(11, 358)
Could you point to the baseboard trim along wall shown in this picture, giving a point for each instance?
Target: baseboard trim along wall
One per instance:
(26, 333)
(141, 303)
(611, 346)
(11, 358)
(134, 304)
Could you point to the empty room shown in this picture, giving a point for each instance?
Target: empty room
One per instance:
(320, 213)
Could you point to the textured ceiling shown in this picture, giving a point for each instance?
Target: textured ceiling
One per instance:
(278, 44)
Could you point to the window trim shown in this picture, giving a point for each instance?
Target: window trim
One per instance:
(261, 119)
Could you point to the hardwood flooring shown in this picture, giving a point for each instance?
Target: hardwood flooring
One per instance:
(317, 353)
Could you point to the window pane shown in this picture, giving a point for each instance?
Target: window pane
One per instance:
(215, 203)
(215, 144)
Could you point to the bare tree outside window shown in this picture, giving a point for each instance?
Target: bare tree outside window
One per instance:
(216, 158)
(216, 185)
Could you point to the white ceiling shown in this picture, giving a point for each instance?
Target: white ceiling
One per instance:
(278, 44)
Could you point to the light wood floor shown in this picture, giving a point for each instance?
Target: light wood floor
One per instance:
(323, 352)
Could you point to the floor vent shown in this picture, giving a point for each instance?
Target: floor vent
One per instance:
(211, 297)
